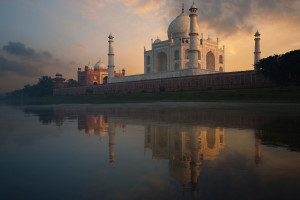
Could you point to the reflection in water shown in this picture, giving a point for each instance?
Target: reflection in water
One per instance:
(257, 147)
(271, 125)
(185, 148)
(98, 125)
(187, 138)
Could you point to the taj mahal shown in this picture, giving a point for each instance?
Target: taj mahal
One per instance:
(184, 54)
(173, 54)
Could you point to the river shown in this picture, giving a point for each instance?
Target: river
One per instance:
(150, 151)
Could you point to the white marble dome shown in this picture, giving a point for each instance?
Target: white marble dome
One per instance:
(99, 65)
(185, 35)
(180, 25)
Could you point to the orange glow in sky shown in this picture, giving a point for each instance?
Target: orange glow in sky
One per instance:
(65, 35)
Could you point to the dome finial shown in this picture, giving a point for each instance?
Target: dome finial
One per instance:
(193, 8)
(257, 34)
(111, 36)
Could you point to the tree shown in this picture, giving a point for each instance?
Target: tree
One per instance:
(72, 82)
(284, 69)
(44, 87)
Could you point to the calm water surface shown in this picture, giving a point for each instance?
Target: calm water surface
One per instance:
(150, 151)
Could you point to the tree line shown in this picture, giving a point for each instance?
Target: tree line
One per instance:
(284, 69)
(44, 87)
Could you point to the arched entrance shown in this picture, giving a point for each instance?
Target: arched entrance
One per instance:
(221, 59)
(105, 80)
(210, 61)
(161, 62)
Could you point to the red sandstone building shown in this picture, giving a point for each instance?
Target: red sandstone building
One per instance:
(59, 81)
(95, 75)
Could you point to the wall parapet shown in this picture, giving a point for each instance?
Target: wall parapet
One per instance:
(161, 75)
(228, 80)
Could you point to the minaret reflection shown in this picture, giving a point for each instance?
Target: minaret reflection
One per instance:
(100, 126)
(257, 155)
(195, 157)
(185, 148)
(96, 124)
(93, 124)
(111, 143)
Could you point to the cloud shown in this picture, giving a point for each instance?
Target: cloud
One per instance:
(231, 16)
(129, 3)
(225, 18)
(149, 6)
(72, 63)
(81, 46)
(143, 7)
(17, 67)
(20, 63)
(90, 8)
(19, 49)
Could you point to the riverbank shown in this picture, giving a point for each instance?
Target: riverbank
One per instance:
(257, 95)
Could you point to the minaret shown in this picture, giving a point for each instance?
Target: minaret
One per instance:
(257, 51)
(111, 63)
(193, 52)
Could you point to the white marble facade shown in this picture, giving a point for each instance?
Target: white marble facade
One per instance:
(172, 54)
(170, 58)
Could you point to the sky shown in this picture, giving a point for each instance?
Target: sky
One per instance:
(45, 37)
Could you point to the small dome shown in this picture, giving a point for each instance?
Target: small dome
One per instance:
(257, 33)
(157, 41)
(193, 6)
(111, 36)
(180, 25)
(99, 65)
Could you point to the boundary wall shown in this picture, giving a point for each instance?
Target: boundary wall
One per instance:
(227, 80)
(160, 75)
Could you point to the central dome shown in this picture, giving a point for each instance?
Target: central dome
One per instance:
(99, 65)
(180, 25)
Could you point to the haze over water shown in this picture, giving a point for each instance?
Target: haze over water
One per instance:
(150, 151)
